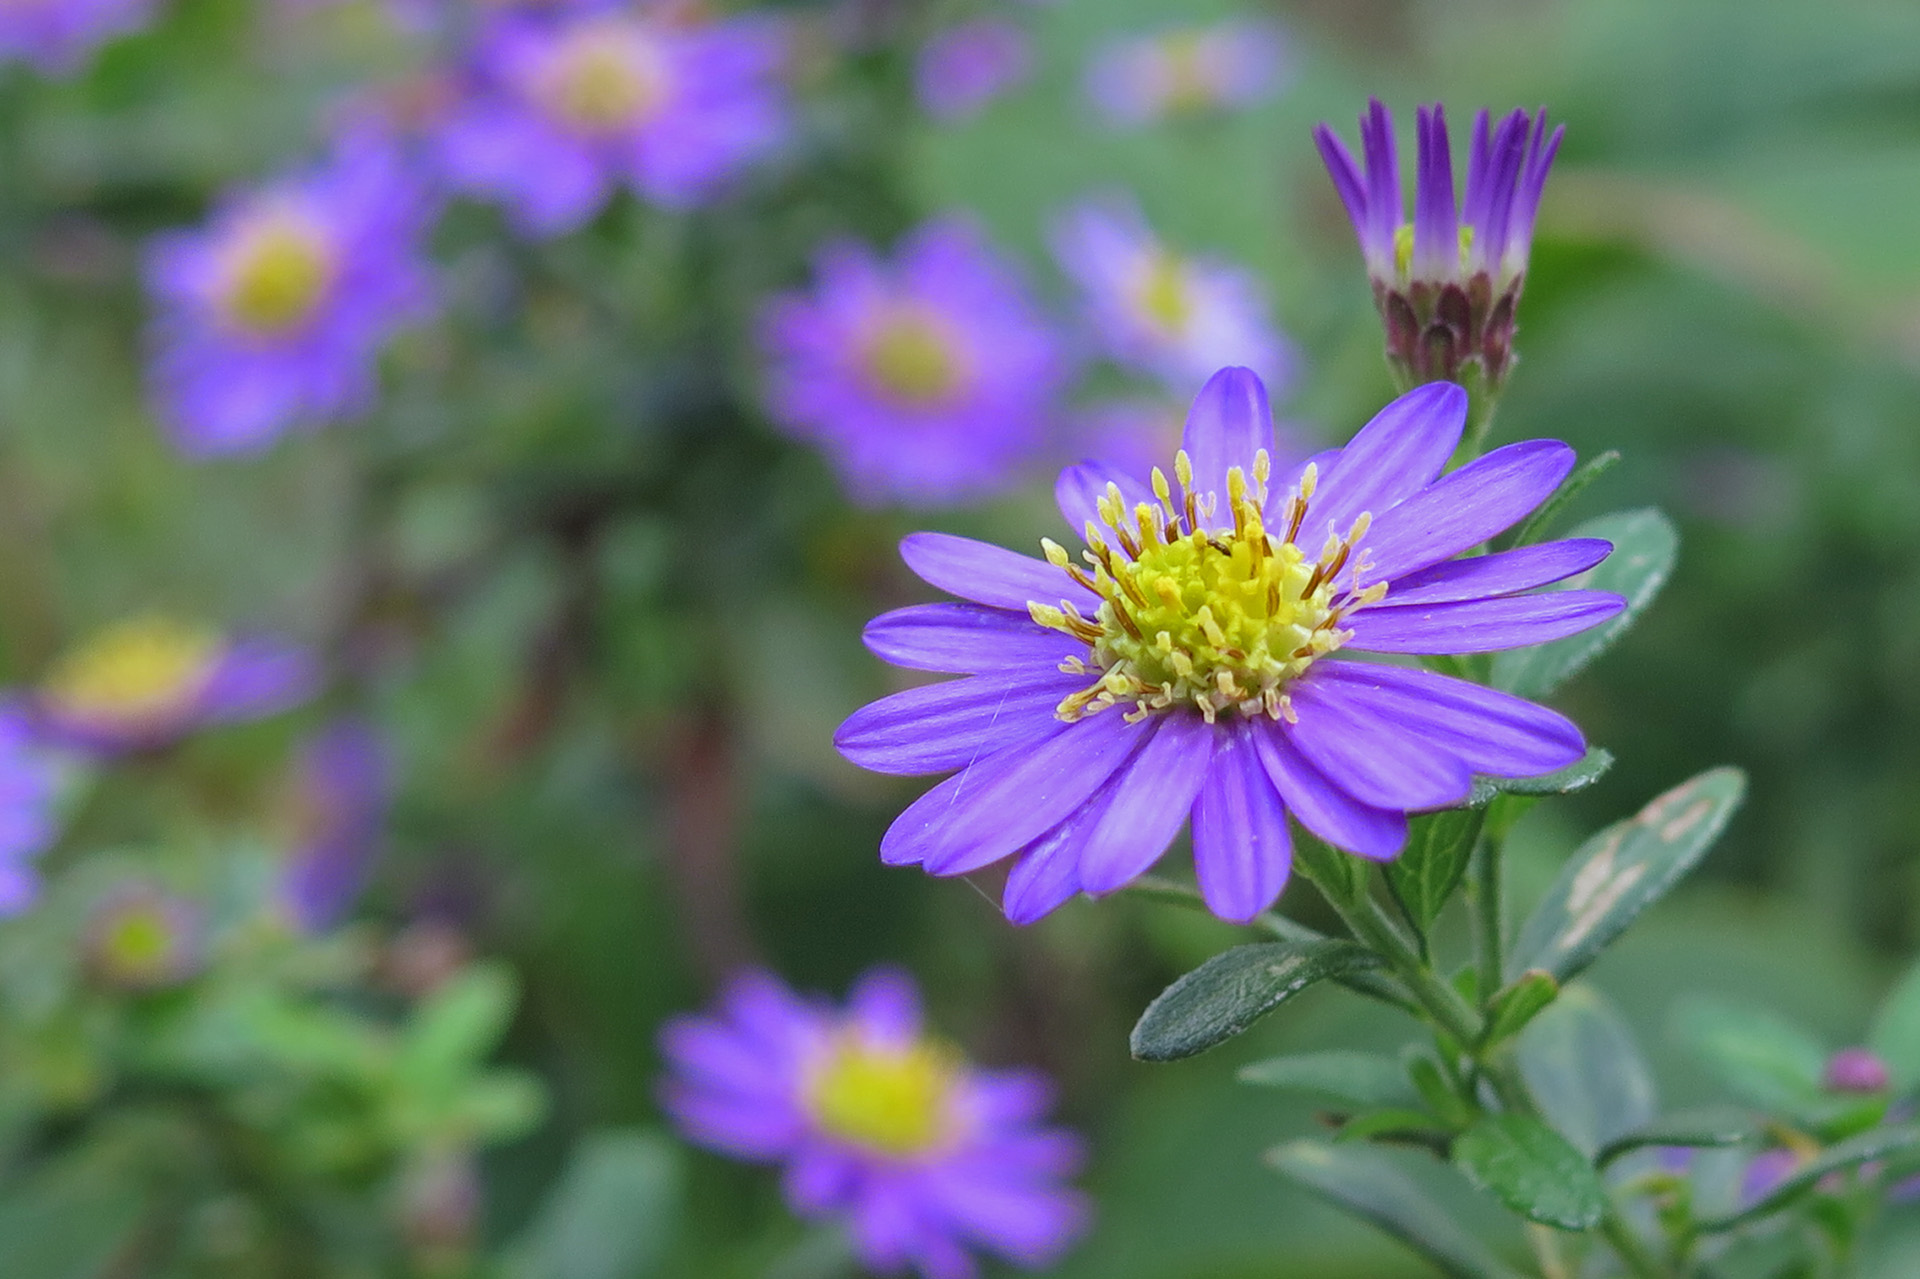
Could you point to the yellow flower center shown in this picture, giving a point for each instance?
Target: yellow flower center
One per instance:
(605, 77)
(1403, 248)
(1215, 620)
(1162, 294)
(277, 274)
(138, 942)
(1189, 73)
(896, 1100)
(135, 670)
(913, 358)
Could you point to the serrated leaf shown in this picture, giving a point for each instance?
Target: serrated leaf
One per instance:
(1369, 1185)
(1427, 871)
(1761, 1058)
(1235, 988)
(1571, 487)
(612, 1214)
(1882, 1143)
(1351, 1080)
(1896, 1032)
(1645, 545)
(1519, 1003)
(1583, 1066)
(1576, 776)
(1533, 1170)
(1623, 870)
(1694, 1130)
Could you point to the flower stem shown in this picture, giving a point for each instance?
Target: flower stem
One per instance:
(1632, 1250)
(1489, 930)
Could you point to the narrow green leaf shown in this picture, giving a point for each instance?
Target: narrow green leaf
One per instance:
(1896, 1032)
(1235, 988)
(1881, 1143)
(1519, 1003)
(1342, 877)
(1368, 1184)
(1427, 871)
(1576, 776)
(1582, 1064)
(1404, 1125)
(1761, 1058)
(1439, 1096)
(1533, 1170)
(458, 1026)
(1645, 545)
(1623, 870)
(1698, 1130)
(612, 1214)
(1571, 487)
(1350, 1080)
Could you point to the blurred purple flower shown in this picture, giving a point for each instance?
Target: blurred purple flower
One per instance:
(1174, 317)
(559, 112)
(29, 820)
(1856, 1070)
(1764, 1173)
(918, 1152)
(271, 318)
(57, 37)
(140, 937)
(144, 683)
(1184, 664)
(1142, 79)
(929, 379)
(342, 792)
(1447, 283)
(965, 67)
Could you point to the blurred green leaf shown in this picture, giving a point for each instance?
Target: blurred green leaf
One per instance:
(457, 1027)
(1645, 545)
(1427, 871)
(1353, 1080)
(1698, 1129)
(1582, 1064)
(1533, 1170)
(1623, 870)
(1405, 1126)
(1883, 1143)
(1519, 1003)
(1761, 1058)
(72, 1219)
(1235, 988)
(1896, 1032)
(612, 1215)
(1573, 486)
(1368, 1184)
(1440, 1096)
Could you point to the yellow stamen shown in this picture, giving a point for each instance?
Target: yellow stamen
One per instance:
(606, 76)
(913, 357)
(892, 1099)
(134, 671)
(276, 274)
(1163, 294)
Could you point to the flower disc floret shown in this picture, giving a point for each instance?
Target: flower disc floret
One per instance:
(893, 1099)
(605, 77)
(139, 669)
(278, 273)
(912, 357)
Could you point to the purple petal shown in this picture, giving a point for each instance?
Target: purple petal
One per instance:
(1483, 498)
(1325, 809)
(1473, 202)
(1492, 732)
(949, 725)
(987, 574)
(1391, 458)
(1481, 626)
(1007, 800)
(259, 677)
(967, 639)
(1047, 873)
(1241, 848)
(1502, 573)
(1230, 422)
(1346, 178)
(886, 1004)
(1151, 803)
(1383, 182)
(1080, 488)
(1436, 236)
(1369, 755)
(1507, 157)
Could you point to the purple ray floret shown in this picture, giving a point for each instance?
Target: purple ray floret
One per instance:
(923, 1157)
(1197, 658)
(962, 69)
(29, 807)
(341, 799)
(57, 37)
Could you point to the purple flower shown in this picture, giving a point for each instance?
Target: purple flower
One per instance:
(1186, 660)
(929, 379)
(1765, 1172)
(921, 1154)
(140, 937)
(559, 112)
(1447, 283)
(340, 801)
(1856, 1070)
(58, 36)
(30, 780)
(1139, 80)
(1174, 317)
(144, 683)
(964, 68)
(272, 317)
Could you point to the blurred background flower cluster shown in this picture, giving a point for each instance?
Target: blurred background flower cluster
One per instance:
(451, 447)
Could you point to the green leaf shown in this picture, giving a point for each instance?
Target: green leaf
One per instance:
(73, 1219)
(1342, 877)
(1416, 1126)
(1763, 1059)
(1533, 1170)
(1584, 1067)
(1425, 874)
(1881, 1143)
(1576, 776)
(1350, 1080)
(1440, 1097)
(1623, 870)
(1231, 991)
(1696, 1129)
(611, 1217)
(1368, 1184)
(1519, 1003)
(1571, 487)
(1645, 546)
(1896, 1032)
(457, 1027)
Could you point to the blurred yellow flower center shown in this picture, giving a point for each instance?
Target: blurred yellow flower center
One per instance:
(1190, 81)
(912, 358)
(896, 1100)
(277, 272)
(138, 941)
(133, 670)
(1162, 294)
(1213, 620)
(1403, 248)
(606, 76)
